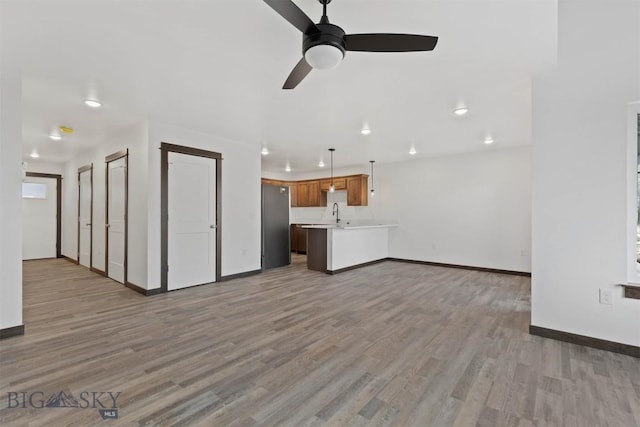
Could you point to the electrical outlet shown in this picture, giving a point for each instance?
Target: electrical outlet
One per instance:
(606, 296)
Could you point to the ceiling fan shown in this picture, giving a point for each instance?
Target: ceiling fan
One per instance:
(324, 44)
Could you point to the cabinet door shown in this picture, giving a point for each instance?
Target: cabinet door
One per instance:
(294, 237)
(357, 189)
(293, 192)
(340, 183)
(354, 189)
(303, 194)
(302, 240)
(313, 189)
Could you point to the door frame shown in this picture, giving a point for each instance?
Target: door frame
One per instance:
(83, 169)
(58, 179)
(165, 149)
(108, 159)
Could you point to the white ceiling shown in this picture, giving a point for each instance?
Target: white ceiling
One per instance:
(218, 67)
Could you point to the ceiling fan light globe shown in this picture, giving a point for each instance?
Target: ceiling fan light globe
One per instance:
(323, 56)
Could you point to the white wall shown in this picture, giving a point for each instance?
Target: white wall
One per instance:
(10, 197)
(135, 139)
(282, 176)
(39, 225)
(580, 175)
(34, 165)
(240, 198)
(469, 209)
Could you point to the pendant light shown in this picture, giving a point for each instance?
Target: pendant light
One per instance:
(373, 192)
(332, 188)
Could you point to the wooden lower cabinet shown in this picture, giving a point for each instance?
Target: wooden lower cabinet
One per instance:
(298, 239)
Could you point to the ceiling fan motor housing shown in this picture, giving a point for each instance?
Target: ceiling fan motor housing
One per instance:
(329, 34)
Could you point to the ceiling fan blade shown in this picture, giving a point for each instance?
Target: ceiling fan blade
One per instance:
(292, 13)
(298, 73)
(389, 42)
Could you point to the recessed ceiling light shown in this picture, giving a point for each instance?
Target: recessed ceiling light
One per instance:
(365, 131)
(265, 151)
(321, 164)
(55, 137)
(287, 169)
(412, 151)
(461, 111)
(488, 140)
(34, 154)
(92, 103)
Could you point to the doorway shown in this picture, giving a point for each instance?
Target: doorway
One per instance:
(191, 184)
(85, 216)
(116, 215)
(42, 216)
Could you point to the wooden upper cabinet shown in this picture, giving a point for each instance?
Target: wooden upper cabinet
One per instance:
(309, 194)
(313, 193)
(293, 193)
(340, 183)
(357, 190)
(302, 188)
(270, 181)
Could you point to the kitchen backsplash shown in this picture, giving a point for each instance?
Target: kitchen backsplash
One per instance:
(324, 215)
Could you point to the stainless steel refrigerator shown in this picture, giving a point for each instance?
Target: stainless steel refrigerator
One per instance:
(276, 249)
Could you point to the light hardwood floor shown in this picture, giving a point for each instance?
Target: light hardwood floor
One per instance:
(389, 344)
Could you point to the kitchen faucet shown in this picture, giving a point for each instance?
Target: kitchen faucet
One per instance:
(336, 212)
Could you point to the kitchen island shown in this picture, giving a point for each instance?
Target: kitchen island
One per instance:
(336, 248)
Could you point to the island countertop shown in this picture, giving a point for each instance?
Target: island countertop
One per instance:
(350, 226)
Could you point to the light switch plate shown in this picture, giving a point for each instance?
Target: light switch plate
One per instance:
(606, 296)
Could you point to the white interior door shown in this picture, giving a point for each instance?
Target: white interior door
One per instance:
(117, 219)
(39, 210)
(84, 219)
(191, 227)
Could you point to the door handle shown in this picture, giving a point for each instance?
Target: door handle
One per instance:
(107, 225)
(88, 224)
(213, 226)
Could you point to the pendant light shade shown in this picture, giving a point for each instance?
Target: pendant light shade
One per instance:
(332, 188)
(372, 192)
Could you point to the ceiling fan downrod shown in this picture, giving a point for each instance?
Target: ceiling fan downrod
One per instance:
(325, 18)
